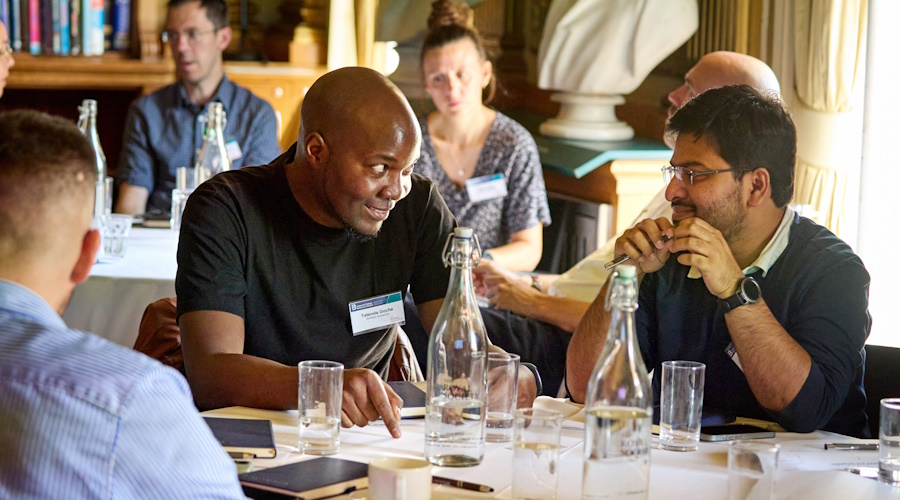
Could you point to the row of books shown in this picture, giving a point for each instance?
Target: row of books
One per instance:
(67, 27)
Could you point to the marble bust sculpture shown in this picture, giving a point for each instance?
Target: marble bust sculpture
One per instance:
(595, 51)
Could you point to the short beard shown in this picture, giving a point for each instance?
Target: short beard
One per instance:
(356, 236)
(727, 216)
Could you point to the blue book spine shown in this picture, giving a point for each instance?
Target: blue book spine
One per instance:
(64, 32)
(92, 27)
(54, 26)
(122, 25)
(15, 25)
(75, 27)
(4, 16)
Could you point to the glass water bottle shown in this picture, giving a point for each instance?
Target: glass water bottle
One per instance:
(619, 406)
(87, 123)
(456, 394)
(213, 157)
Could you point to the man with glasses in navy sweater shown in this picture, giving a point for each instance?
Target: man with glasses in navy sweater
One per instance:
(774, 304)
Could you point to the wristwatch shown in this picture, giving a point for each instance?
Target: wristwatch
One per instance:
(748, 293)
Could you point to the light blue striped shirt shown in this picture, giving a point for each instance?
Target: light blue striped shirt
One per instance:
(81, 417)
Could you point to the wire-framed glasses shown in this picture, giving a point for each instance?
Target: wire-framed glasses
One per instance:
(670, 172)
(6, 50)
(191, 35)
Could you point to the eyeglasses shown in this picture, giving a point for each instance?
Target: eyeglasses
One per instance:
(669, 172)
(6, 50)
(191, 35)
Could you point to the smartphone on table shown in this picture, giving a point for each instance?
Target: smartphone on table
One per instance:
(733, 432)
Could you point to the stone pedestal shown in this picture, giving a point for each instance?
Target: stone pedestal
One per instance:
(589, 117)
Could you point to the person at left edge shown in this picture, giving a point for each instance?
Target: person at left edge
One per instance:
(270, 258)
(162, 131)
(80, 417)
(6, 57)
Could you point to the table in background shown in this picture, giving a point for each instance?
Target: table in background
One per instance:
(624, 174)
(111, 302)
(673, 475)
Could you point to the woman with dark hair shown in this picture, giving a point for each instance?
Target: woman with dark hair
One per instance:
(485, 165)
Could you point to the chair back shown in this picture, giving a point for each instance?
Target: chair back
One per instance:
(159, 336)
(882, 380)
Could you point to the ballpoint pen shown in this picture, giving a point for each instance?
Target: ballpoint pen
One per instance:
(624, 258)
(462, 484)
(852, 446)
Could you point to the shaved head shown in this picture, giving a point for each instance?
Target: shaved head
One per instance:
(359, 140)
(719, 69)
(349, 101)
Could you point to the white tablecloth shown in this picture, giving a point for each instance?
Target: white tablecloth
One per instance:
(111, 302)
(806, 470)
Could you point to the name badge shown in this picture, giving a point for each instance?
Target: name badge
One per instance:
(377, 313)
(233, 149)
(486, 187)
(731, 351)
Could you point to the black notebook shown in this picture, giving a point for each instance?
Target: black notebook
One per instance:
(413, 399)
(242, 437)
(310, 479)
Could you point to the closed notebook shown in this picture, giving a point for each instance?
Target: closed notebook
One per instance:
(310, 479)
(413, 399)
(242, 437)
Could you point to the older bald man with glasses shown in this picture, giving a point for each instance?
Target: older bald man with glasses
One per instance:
(163, 130)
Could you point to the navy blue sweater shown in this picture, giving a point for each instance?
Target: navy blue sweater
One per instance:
(817, 290)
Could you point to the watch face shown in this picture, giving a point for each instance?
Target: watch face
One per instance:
(750, 289)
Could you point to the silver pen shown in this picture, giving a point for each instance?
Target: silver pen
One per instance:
(624, 258)
(852, 446)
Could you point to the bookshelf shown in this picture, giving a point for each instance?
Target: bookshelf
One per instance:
(111, 71)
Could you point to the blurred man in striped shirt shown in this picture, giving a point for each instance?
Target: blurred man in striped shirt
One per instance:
(79, 416)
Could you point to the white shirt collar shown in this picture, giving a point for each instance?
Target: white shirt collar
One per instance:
(773, 249)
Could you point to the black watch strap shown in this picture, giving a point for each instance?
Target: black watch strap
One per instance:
(537, 376)
(748, 293)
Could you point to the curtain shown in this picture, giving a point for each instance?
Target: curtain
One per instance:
(829, 47)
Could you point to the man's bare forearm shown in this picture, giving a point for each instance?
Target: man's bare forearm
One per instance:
(132, 199)
(563, 312)
(775, 365)
(517, 255)
(221, 380)
(585, 347)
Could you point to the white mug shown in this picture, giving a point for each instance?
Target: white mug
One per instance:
(393, 478)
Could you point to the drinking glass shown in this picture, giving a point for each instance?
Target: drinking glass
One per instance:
(319, 406)
(752, 470)
(503, 371)
(536, 453)
(889, 442)
(108, 187)
(681, 405)
(179, 201)
(114, 231)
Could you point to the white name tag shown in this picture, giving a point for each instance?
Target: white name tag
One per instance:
(486, 187)
(731, 351)
(233, 149)
(377, 313)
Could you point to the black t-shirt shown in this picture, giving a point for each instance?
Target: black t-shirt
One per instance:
(248, 248)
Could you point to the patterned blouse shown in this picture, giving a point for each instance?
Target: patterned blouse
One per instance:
(509, 149)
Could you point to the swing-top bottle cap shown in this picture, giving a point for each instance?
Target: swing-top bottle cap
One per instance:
(626, 271)
(462, 232)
